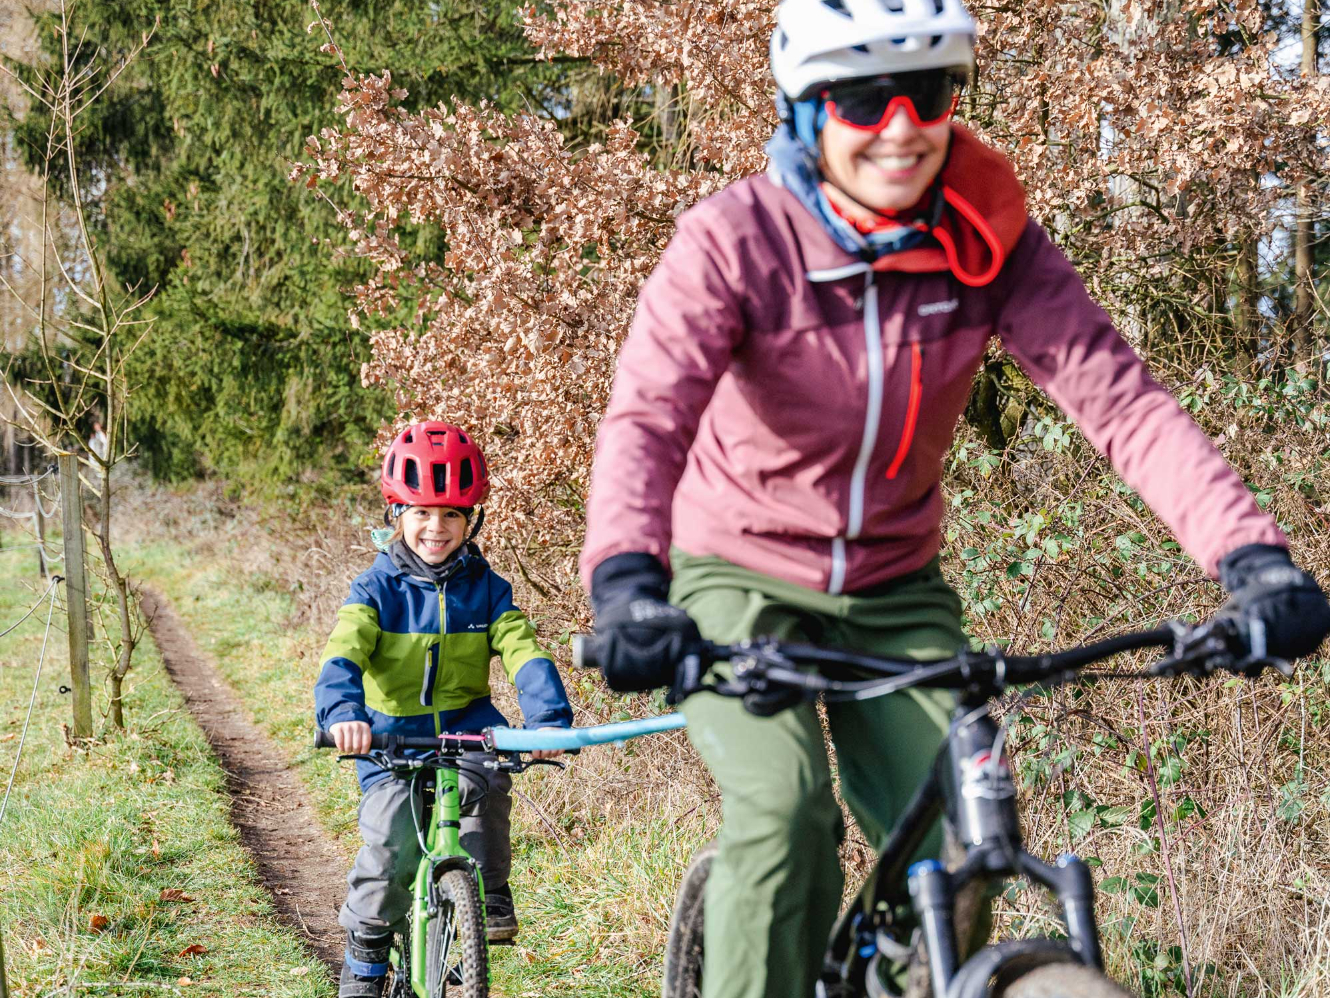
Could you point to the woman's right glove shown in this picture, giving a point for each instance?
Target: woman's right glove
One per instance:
(642, 637)
(1267, 590)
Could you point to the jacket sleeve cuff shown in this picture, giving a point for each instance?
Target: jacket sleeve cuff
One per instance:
(541, 695)
(343, 713)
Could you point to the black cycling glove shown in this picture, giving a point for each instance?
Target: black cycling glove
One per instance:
(642, 638)
(1271, 594)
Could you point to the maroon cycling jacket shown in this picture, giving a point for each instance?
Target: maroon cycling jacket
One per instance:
(785, 406)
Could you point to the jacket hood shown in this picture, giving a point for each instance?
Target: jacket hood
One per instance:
(978, 216)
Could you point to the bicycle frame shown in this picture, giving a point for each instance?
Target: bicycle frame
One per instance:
(443, 851)
(977, 795)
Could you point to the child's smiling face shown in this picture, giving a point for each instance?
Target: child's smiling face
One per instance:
(433, 532)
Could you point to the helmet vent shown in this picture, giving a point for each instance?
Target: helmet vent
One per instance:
(937, 6)
(392, 463)
(935, 41)
(864, 49)
(409, 437)
(837, 5)
(465, 478)
(783, 41)
(895, 6)
(462, 437)
(410, 473)
(440, 472)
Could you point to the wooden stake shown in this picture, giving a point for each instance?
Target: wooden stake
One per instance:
(4, 987)
(76, 593)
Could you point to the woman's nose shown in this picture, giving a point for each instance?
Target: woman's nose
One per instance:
(900, 126)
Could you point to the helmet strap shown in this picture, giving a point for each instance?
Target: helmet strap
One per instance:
(480, 522)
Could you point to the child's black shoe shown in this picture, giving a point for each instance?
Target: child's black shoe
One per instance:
(500, 915)
(365, 966)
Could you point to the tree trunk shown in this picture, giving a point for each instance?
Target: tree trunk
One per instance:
(1304, 237)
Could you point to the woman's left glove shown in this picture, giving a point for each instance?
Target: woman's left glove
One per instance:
(643, 638)
(1266, 588)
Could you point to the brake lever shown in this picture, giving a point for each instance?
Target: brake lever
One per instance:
(1201, 651)
(516, 764)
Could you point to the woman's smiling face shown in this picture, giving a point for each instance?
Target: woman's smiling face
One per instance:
(888, 170)
(433, 532)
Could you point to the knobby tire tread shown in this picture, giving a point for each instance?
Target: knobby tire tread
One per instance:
(1063, 980)
(683, 951)
(459, 889)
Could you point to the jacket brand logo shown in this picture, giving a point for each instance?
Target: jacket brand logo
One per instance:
(940, 307)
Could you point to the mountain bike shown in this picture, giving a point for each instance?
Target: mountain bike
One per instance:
(444, 946)
(900, 934)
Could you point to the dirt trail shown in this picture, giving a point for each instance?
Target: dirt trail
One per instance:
(299, 866)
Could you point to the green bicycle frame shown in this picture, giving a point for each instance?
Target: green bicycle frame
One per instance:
(443, 848)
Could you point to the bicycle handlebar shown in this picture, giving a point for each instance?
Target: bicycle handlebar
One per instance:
(493, 740)
(392, 743)
(763, 665)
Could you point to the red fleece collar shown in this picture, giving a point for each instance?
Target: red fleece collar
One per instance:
(980, 218)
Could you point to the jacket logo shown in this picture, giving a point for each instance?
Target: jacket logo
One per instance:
(940, 307)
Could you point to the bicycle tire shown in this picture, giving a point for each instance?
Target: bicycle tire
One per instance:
(456, 954)
(683, 951)
(1062, 980)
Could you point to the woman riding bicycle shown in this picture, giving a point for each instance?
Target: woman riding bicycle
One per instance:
(776, 433)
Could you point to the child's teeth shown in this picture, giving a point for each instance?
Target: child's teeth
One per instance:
(897, 162)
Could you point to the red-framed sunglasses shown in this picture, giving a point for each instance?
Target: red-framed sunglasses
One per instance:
(928, 96)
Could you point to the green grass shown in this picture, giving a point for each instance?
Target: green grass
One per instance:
(93, 838)
(593, 891)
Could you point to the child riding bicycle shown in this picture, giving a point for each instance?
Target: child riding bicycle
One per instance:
(770, 461)
(410, 655)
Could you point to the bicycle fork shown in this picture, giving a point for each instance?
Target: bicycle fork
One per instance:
(443, 849)
(981, 804)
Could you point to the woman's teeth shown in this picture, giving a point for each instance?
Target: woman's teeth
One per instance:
(895, 163)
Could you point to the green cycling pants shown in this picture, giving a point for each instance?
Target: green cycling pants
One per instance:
(775, 884)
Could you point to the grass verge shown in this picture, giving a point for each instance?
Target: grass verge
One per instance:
(121, 872)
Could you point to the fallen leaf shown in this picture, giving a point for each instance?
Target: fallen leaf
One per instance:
(174, 894)
(184, 982)
(98, 923)
(156, 849)
(193, 950)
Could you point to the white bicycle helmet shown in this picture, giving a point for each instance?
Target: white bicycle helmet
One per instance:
(817, 42)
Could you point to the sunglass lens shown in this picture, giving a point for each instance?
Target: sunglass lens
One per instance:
(931, 91)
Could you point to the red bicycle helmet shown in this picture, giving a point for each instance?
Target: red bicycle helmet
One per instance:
(434, 464)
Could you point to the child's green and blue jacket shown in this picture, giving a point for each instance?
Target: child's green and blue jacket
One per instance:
(412, 657)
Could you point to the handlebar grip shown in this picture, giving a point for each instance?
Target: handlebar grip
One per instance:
(586, 649)
(323, 739)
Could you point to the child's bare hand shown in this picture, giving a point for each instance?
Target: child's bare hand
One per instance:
(547, 753)
(352, 737)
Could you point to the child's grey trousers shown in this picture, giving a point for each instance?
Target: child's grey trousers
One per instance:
(379, 884)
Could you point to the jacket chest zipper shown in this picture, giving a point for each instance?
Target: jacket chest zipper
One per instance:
(432, 673)
(911, 410)
(872, 423)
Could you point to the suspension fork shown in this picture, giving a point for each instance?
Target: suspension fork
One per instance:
(443, 847)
